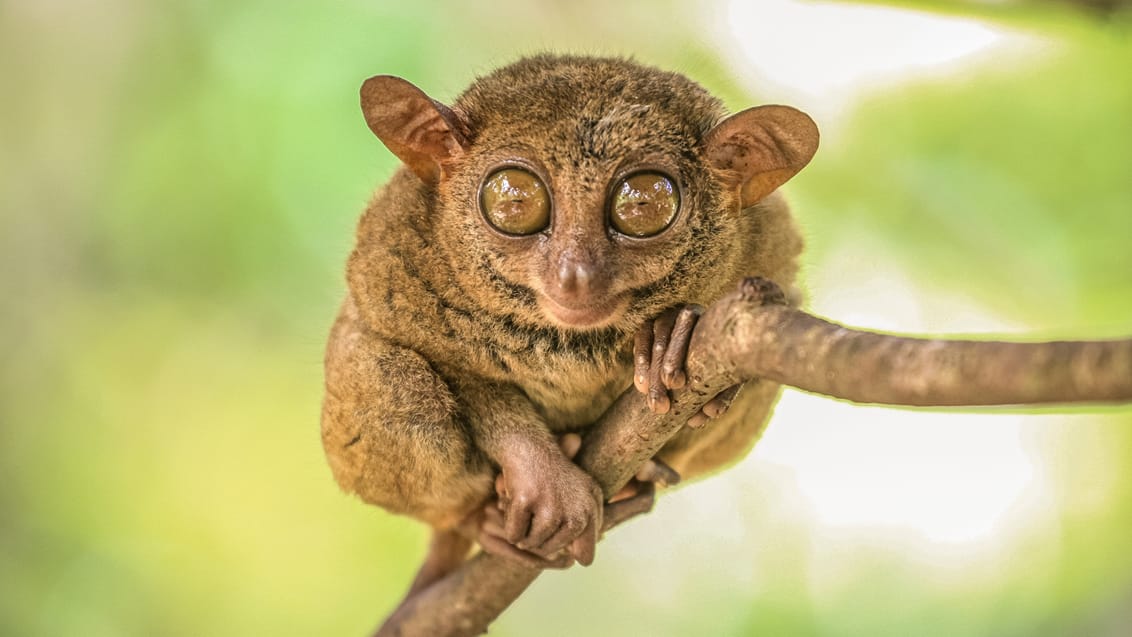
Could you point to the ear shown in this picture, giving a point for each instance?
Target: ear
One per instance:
(423, 133)
(760, 148)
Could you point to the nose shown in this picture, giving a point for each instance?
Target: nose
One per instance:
(575, 274)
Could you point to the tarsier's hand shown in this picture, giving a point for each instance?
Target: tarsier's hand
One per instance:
(546, 504)
(659, 354)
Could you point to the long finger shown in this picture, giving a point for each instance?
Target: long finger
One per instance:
(620, 511)
(642, 356)
(719, 405)
(570, 444)
(543, 526)
(584, 546)
(661, 332)
(656, 471)
(559, 540)
(698, 420)
(516, 522)
(502, 548)
(673, 372)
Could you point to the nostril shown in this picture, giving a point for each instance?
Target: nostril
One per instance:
(567, 278)
(574, 278)
(583, 275)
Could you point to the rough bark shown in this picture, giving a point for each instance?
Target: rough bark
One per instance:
(753, 334)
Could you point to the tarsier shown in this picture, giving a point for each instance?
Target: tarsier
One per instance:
(547, 245)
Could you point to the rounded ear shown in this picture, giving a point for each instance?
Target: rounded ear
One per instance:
(761, 148)
(422, 132)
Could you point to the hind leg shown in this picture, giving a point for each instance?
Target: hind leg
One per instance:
(392, 431)
(725, 439)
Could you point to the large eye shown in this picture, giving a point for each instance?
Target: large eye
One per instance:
(644, 205)
(515, 202)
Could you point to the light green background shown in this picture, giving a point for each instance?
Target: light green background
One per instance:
(179, 183)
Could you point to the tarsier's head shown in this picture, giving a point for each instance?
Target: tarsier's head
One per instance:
(587, 193)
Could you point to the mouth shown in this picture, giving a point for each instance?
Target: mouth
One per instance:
(589, 315)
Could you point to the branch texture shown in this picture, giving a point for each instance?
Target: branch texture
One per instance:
(752, 334)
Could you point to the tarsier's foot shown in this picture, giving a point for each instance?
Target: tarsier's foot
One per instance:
(641, 490)
(659, 355)
(493, 539)
(657, 472)
(493, 532)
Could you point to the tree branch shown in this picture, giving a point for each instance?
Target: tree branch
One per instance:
(752, 334)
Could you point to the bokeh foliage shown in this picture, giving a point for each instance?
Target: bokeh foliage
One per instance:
(179, 183)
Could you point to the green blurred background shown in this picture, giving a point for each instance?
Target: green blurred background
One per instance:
(179, 183)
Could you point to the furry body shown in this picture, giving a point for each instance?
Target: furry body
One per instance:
(443, 345)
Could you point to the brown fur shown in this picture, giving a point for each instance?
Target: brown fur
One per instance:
(442, 347)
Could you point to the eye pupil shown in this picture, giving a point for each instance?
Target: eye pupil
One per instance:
(644, 205)
(514, 201)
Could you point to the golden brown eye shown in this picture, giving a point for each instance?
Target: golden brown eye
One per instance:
(515, 202)
(644, 205)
